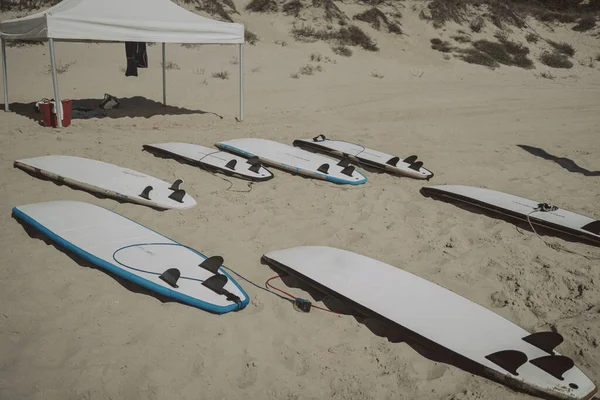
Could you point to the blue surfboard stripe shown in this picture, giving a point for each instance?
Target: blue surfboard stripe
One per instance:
(298, 170)
(132, 277)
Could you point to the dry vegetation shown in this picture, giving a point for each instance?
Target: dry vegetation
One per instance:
(170, 65)
(503, 14)
(512, 12)
(378, 20)
(221, 75)
(474, 15)
(345, 36)
(555, 60)
(60, 67)
(342, 51)
(250, 37)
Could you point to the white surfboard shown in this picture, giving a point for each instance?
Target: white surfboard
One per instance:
(505, 351)
(541, 214)
(409, 166)
(110, 180)
(212, 159)
(136, 253)
(295, 160)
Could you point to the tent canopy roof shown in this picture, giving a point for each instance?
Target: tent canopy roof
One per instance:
(159, 21)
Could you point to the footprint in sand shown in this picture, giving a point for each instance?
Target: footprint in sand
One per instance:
(294, 361)
(249, 373)
(256, 305)
(437, 372)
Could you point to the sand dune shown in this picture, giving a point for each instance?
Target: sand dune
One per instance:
(69, 331)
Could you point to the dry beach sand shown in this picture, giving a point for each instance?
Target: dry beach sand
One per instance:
(68, 331)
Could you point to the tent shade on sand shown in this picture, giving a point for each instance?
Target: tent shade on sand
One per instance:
(160, 21)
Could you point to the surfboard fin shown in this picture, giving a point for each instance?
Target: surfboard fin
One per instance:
(394, 161)
(593, 227)
(324, 168)
(416, 165)
(255, 168)
(171, 276)
(410, 159)
(554, 365)
(217, 283)
(320, 138)
(178, 195)
(344, 162)
(546, 341)
(175, 186)
(146, 193)
(255, 164)
(231, 165)
(510, 360)
(348, 170)
(212, 264)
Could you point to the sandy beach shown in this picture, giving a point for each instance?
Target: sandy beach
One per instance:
(70, 331)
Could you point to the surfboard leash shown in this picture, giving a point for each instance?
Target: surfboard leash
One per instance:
(545, 207)
(299, 303)
(219, 176)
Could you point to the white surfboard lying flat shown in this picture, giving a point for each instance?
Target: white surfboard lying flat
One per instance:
(441, 316)
(225, 162)
(362, 155)
(134, 252)
(518, 207)
(296, 160)
(110, 180)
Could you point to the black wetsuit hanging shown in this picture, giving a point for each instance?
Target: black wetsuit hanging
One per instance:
(136, 57)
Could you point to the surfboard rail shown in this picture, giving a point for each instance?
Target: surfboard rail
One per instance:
(588, 231)
(359, 155)
(209, 161)
(320, 171)
(22, 213)
(463, 329)
(145, 194)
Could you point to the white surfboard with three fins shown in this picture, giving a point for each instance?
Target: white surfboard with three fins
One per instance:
(212, 159)
(408, 166)
(433, 314)
(295, 160)
(540, 214)
(136, 253)
(110, 180)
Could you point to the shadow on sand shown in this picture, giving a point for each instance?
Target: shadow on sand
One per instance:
(564, 162)
(93, 193)
(130, 107)
(394, 332)
(517, 222)
(133, 287)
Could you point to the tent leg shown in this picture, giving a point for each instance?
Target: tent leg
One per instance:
(5, 75)
(241, 63)
(56, 96)
(164, 61)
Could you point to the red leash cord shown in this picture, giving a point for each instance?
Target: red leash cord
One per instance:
(291, 296)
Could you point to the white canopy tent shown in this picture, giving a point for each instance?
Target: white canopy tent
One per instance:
(160, 21)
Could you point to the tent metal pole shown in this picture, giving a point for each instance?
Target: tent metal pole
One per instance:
(241, 63)
(164, 64)
(56, 96)
(5, 75)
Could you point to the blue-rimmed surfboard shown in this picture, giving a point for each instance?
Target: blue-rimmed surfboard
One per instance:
(295, 160)
(136, 253)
